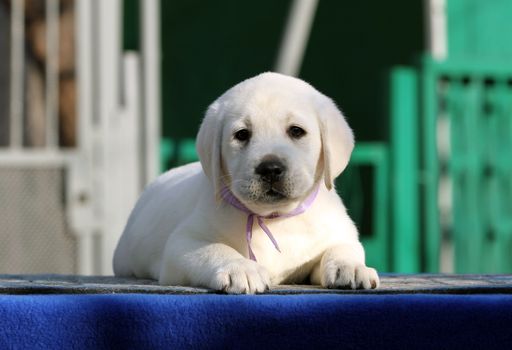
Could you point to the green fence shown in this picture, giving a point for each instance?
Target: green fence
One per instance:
(474, 102)
(366, 178)
(463, 150)
(404, 156)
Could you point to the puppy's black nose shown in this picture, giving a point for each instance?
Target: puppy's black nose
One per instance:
(271, 170)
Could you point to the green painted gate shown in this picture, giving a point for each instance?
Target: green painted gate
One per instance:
(475, 101)
(457, 168)
(464, 160)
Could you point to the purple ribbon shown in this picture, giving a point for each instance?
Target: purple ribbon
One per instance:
(229, 198)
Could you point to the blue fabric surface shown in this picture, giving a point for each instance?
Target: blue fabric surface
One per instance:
(140, 321)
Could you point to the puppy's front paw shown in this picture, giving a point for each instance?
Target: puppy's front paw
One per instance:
(241, 277)
(347, 275)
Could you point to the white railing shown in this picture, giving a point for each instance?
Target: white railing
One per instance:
(118, 121)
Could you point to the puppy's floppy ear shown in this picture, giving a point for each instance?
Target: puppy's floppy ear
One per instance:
(337, 140)
(208, 145)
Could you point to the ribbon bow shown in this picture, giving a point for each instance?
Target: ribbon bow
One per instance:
(229, 198)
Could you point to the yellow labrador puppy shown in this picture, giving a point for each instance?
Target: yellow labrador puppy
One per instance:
(260, 207)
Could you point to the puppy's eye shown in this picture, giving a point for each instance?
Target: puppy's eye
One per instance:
(296, 132)
(242, 135)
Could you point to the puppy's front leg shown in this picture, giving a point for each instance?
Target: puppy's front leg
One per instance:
(211, 265)
(342, 266)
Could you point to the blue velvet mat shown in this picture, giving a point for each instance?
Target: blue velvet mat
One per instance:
(211, 321)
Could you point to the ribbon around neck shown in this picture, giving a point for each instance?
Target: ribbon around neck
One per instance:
(229, 198)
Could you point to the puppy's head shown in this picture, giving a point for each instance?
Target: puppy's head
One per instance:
(270, 139)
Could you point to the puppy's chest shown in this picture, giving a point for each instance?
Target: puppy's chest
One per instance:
(301, 245)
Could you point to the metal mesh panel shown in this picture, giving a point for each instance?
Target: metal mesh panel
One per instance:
(33, 233)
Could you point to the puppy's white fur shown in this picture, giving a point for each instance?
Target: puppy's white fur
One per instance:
(181, 233)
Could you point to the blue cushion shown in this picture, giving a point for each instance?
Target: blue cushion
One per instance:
(320, 321)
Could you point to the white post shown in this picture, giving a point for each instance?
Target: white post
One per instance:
(123, 157)
(296, 36)
(17, 72)
(79, 177)
(109, 64)
(150, 45)
(52, 73)
(110, 137)
(436, 28)
(84, 67)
